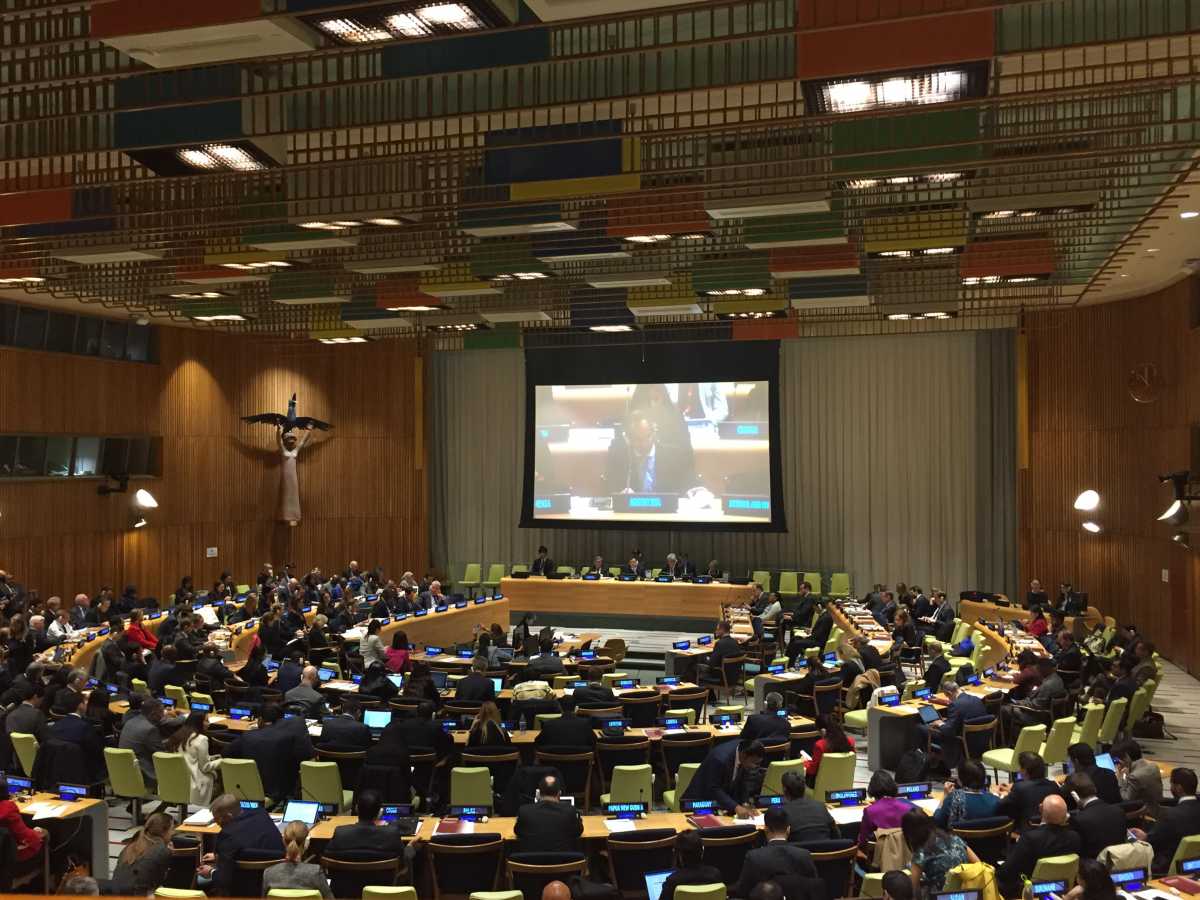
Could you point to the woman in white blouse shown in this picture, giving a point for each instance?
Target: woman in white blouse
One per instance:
(190, 740)
(372, 648)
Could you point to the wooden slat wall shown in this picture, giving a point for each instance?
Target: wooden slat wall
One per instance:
(362, 494)
(1087, 432)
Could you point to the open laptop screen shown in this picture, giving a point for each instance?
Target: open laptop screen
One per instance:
(655, 882)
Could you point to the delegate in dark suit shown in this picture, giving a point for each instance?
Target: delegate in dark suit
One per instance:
(594, 694)
(382, 839)
(1107, 788)
(567, 731)
(1099, 825)
(474, 688)
(252, 830)
(1024, 801)
(766, 727)
(935, 672)
(345, 731)
(715, 779)
(640, 463)
(776, 858)
(1173, 824)
(278, 750)
(1045, 840)
(419, 733)
(809, 820)
(541, 566)
(74, 729)
(962, 708)
(548, 826)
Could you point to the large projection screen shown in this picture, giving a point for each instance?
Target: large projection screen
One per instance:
(697, 448)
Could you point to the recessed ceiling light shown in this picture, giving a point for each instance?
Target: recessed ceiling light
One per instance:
(221, 157)
(416, 307)
(197, 295)
(901, 89)
(899, 317)
(227, 317)
(611, 329)
(1124, 275)
(1091, 528)
(1151, 249)
(343, 340)
(1189, 214)
(384, 221)
(23, 279)
(648, 238)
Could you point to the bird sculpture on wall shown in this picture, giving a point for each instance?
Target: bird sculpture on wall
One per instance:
(289, 421)
(290, 442)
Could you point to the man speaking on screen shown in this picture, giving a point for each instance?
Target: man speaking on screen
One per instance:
(640, 461)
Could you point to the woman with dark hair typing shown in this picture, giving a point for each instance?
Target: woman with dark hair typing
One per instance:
(969, 799)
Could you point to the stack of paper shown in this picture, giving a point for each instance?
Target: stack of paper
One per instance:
(46, 810)
(615, 825)
(199, 819)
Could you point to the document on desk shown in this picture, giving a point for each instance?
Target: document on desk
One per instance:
(615, 825)
(200, 819)
(846, 815)
(46, 810)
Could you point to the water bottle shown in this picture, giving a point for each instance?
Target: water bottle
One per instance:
(521, 724)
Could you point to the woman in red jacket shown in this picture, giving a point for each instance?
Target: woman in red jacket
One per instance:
(28, 840)
(137, 633)
(1037, 626)
(832, 740)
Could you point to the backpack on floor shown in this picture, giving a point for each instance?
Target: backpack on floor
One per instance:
(913, 766)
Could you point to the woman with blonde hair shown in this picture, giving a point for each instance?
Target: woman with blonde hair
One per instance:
(292, 873)
(143, 864)
(486, 730)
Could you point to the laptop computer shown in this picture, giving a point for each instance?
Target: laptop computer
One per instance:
(497, 685)
(439, 678)
(928, 714)
(305, 811)
(1105, 761)
(655, 882)
(377, 720)
(397, 680)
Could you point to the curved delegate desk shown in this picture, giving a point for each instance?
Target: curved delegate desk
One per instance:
(974, 610)
(608, 596)
(442, 629)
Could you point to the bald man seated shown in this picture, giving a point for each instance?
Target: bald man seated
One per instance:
(1051, 838)
(306, 692)
(556, 890)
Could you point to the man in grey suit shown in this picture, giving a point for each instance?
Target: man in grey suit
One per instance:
(141, 734)
(305, 692)
(27, 718)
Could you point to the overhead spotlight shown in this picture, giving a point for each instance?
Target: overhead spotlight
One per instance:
(141, 522)
(144, 499)
(1092, 528)
(1183, 539)
(1087, 501)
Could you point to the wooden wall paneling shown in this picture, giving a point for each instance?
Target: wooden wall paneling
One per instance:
(1087, 432)
(362, 494)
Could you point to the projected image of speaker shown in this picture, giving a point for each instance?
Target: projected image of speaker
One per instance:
(660, 454)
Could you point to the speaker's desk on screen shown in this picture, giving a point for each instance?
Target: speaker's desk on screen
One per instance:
(608, 596)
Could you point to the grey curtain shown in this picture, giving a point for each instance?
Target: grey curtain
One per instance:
(898, 464)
